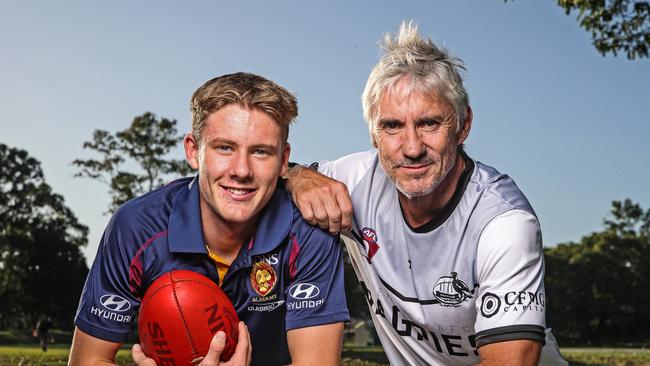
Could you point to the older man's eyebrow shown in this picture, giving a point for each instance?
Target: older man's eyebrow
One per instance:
(385, 121)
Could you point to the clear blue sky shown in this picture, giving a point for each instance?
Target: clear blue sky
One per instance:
(570, 126)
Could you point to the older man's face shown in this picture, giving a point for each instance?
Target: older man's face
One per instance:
(417, 140)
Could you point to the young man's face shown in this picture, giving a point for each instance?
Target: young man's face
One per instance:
(240, 158)
(417, 140)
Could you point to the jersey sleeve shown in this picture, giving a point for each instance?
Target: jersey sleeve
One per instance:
(349, 169)
(316, 294)
(107, 308)
(510, 268)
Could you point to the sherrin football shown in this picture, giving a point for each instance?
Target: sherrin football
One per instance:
(180, 313)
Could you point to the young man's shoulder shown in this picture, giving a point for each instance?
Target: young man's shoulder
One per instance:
(145, 216)
(307, 234)
(155, 203)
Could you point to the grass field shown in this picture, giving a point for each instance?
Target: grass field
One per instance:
(31, 355)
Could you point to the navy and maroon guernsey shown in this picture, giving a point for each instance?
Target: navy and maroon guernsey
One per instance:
(290, 275)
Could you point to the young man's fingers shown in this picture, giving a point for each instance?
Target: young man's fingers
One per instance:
(243, 351)
(140, 358)
(217, 345)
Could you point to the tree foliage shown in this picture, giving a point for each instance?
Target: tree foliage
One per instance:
(615, 25)
(41, 266)
(597, 288)
(142, 147)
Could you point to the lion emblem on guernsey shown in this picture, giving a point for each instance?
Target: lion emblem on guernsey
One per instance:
(451, 291)
(263, 278)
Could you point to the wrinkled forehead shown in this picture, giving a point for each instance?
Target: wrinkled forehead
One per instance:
(404, 86)
(408, 92)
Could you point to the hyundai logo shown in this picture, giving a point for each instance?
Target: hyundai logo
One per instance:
(115, 302)
(303, 291)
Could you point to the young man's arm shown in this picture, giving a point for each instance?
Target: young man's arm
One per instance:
(88, 350)
(318, 345)
(315, 298)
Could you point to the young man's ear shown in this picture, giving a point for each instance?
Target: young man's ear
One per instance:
(285, 159)
(191, 151)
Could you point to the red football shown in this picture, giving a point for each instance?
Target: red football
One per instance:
(180, 313)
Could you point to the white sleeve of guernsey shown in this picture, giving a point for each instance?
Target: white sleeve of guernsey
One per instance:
(348, 169)
(510, 269)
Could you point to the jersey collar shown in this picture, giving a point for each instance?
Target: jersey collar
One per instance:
(186, 234)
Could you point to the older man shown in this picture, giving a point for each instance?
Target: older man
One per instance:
(447, 249)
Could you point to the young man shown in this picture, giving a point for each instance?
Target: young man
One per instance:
(448, 250)
(231, 222)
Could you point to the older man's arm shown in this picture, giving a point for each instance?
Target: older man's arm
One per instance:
(521, 352)
(322, 201)
(510, 261)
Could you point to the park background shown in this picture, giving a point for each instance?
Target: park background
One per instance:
(568, 123)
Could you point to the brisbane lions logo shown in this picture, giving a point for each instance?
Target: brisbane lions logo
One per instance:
(369, 241)
(263, 278)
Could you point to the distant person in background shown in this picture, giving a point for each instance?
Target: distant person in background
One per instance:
(43, 331)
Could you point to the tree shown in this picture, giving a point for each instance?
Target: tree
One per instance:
(42, 269)
(628, 220)
(615, 25)
(145, 144)
(597, 288)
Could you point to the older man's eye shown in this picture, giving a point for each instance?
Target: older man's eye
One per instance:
(390, 126)
(429, 124)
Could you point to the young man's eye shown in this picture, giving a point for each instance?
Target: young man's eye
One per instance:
(261, 152)
(223, 148)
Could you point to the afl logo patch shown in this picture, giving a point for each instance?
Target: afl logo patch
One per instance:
(369, 239)
(263, 278)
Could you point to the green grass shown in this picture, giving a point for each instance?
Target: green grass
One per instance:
(607, 356)
(31, 355)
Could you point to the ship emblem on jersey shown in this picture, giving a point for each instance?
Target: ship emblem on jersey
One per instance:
(451, 291)
(369, 237)
(263, 278)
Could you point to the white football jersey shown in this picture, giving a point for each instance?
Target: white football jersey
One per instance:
(473, 276)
